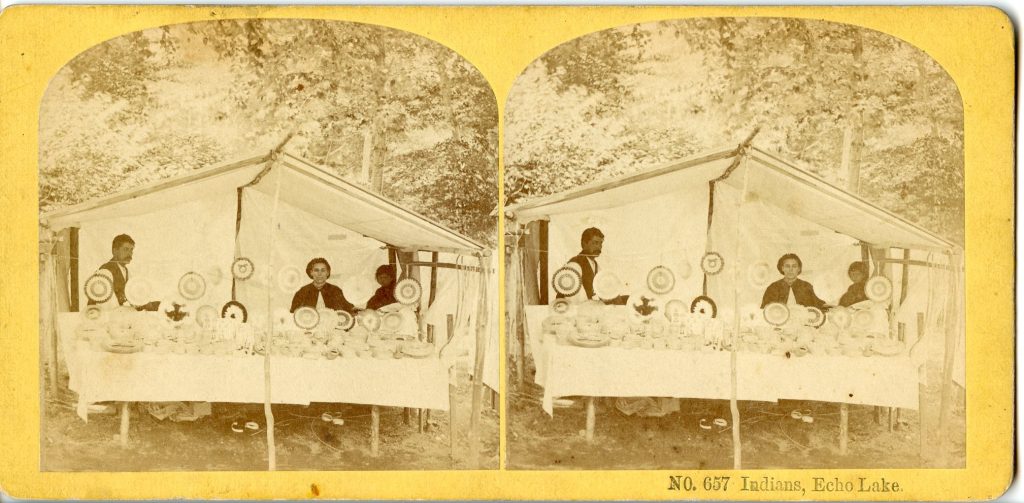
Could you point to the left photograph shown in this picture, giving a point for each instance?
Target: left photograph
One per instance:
(268, 245)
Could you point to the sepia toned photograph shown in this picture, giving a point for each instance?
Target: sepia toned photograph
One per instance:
(268, 245)
(735, 243)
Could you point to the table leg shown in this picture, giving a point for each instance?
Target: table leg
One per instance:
(375, 431)
(451, 411)
(892, 418)
(124, 423)
(407, 415)
(422, 420)
(844, 427)
(591, 418)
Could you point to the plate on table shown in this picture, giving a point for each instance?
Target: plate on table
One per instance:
(391, 322)
(234, 310)
(815, 317)
(661, 280)
(192, 286)
(93, 313)
(242, 268)
(417, 349)
(306, 318)
(206, 316)
(345, 320)
(408, 291)
(560, 306)
(878, 289)
(863, 319)
(776, 313)
(589, 342)
(704, 307)
(567, 281)
(369, 319)
(122, 347)
(840, 317)
(675, 310)
(712, 263)
(607, 285)
(138, 291)
(99, 287)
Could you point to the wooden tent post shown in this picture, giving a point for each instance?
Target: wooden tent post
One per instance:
(734, 409)
(374, 431)
(543, 254)
(921, 375)
(478, 367)
(591, 418)
(945, 402)
(844, 427)
(73, 267)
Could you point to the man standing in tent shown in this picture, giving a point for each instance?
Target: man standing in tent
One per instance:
(117, 270)
(591, 242)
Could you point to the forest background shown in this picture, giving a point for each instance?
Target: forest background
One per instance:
(391, 111)
(863, 110)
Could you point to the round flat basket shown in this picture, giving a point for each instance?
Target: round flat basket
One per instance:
(408, 291)
(567, 281)
(93, 313)
(759, 275)
(862, 319)
(345, 320)
(391, 322)
(242, 268)
(306, 318)
(290, 278)
(815, 317)
(369, 319)
(138, 291)
(661, 280)
(99, 288)
(712, 263)
(234, 310)
(840, 317)
(675, 310)
(192, 286)
(704, 307)
(560, 306)
(607, 285)
(776, 313)
(878, 289)
(206, 316)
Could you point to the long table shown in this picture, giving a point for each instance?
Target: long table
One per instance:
(616, 372)
(100, 376)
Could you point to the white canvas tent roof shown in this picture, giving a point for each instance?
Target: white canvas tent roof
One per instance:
(769, 179)
(304, 185)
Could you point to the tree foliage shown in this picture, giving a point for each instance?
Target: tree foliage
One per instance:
(837, 98)
(357, 97)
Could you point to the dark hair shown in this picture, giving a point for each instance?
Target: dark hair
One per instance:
(121, 239)
(589, 233)
(858, 266)
(318, 260)
(385, 269)
(786, 257)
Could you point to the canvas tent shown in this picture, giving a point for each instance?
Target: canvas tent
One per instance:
(747, 205)
(279, 211)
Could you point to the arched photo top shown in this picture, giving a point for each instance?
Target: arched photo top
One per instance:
(861, 109)
(395, 112)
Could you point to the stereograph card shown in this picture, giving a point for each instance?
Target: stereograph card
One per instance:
(675, 253)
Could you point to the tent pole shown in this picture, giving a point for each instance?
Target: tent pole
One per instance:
(543, 235)
(268, 411)
(945, 403)
(453, 383)
(73, 267)
(478, 367)
(518, 283)
(734, 409)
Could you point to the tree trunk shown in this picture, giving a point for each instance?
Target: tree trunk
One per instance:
(853, 134)
(378, 134)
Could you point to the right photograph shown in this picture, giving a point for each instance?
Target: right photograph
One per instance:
(735, 243)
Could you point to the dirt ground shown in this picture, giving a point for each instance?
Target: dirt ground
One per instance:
(303, 440)
(770, 437)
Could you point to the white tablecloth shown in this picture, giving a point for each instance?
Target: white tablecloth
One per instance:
(99, 376)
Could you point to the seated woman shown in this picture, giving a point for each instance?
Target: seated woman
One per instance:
(386, 293)
(858, 273)
(790, 289)
(320, 294)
